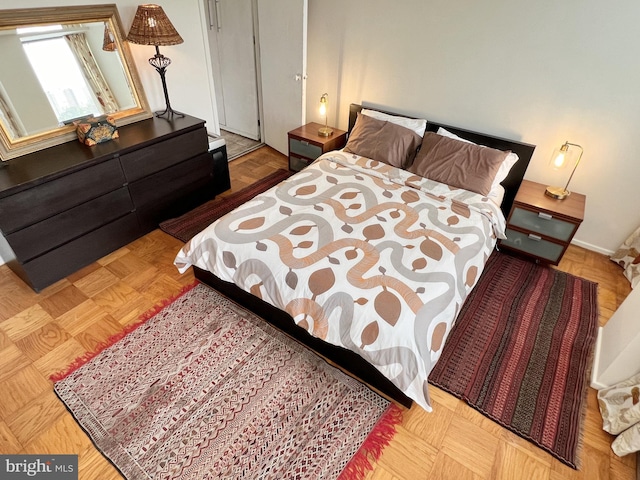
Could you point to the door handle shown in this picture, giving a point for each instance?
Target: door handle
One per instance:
(218, 23)
(210, 8)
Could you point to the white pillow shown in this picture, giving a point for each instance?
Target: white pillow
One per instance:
(418, 125)
(503, 171)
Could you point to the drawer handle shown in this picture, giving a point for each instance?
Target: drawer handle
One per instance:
(545, 216)
(304, 143)
(536, 238)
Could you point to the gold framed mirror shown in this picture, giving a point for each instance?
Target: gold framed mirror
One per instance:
(60, 64)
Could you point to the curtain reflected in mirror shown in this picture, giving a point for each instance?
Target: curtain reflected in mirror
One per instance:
(70, 65)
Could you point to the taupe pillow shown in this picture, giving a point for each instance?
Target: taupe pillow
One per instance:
(383, 141)
(458, 164)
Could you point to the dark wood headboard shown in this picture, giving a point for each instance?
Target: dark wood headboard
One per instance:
(516, 174)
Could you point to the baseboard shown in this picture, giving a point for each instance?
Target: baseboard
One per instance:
(592, 247)
(596, 360)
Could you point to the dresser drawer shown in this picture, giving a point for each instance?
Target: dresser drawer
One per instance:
(543, 224)
(52, 266)
(50, 198)
(304, 149)
(164, 154)
(533, 245)
(171, 183)
(75, 222)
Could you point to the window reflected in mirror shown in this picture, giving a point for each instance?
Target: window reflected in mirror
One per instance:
(61, 68)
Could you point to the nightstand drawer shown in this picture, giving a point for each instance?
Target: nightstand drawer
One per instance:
(304, 149)
(297, 163)
(542, 223)
(533, 245)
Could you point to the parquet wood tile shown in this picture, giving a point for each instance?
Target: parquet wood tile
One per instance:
(21, 388)
(60, 357)
(63, 300)
(512, 462)
(96, 281)
(35, 418)
(12, 360)
(44, 333)
(26, 322)
(446, 468)
(9, 444)
(42, 341)
(92, 465)
(79, 318)
(412, 458)
(65, 434)
(471, 446)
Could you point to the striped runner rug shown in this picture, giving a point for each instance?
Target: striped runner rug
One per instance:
(520, 352)
(187, 225)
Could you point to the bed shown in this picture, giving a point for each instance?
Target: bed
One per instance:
(367, 255)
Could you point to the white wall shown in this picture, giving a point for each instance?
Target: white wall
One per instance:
(542, 72)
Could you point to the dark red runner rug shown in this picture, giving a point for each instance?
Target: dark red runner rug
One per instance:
(186, 226)
(521, 350)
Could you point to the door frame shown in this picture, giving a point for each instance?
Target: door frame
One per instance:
(204, 25)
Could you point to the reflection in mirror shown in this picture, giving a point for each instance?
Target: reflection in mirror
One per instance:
(61, 65)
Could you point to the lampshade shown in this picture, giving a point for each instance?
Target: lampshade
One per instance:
(561, 158)
(151, 26)
(324, 131)
(108, 43)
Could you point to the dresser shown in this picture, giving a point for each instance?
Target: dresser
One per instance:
(66, 206)
(541, 227)
(305, 145)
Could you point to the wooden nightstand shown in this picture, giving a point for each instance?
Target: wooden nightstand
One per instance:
(305, 145)
(542, 227)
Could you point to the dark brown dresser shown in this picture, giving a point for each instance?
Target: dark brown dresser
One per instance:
(66, 206)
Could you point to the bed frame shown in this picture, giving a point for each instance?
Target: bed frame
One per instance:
(348, 361)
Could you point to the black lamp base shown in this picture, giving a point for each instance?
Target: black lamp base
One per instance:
(160, 63)
(168, 113)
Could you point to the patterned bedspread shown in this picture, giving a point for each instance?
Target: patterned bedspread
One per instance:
(362, 255)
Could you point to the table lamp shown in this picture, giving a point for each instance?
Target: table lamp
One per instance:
(151, 26)
(560, 159)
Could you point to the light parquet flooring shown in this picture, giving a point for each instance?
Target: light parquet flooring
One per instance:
(43, 333)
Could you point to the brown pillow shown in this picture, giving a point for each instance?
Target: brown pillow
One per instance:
(383, 141)
(458, 164)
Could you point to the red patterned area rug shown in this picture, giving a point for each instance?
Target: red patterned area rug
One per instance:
(521, 350)
(187, 225)
(206, 390)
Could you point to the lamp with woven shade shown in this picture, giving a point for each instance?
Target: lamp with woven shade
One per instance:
(151, 26)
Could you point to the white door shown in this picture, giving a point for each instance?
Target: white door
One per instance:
(282, 26)
(231, 41)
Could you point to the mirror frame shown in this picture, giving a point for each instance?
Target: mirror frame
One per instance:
(13, 148)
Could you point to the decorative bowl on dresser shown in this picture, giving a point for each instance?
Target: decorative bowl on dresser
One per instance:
(66, 206)
(541, 227)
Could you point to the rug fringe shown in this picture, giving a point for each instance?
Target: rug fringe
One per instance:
(372, 448)
(142, 319)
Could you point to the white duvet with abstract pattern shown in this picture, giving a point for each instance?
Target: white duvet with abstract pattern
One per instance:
(362, 255)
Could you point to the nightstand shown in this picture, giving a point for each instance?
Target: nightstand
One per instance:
(305, 145)
(542, 227)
